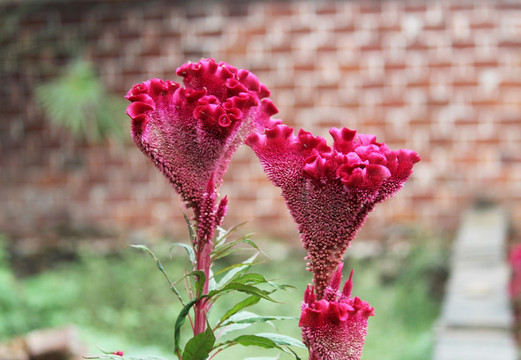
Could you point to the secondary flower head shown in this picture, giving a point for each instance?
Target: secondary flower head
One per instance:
(191, 132)
(335, 327)
(515, 263)
(330, 190)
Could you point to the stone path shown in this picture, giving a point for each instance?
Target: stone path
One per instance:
(476, 318)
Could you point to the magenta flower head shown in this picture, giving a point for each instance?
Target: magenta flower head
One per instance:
(330, 190)
(191, 132)
(335, 327)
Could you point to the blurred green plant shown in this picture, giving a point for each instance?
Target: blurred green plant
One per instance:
(116, 294)
(78, 101)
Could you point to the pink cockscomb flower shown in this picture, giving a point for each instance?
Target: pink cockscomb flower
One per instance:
(335, 327)
(514, 259)
(191, 132)
(330, 190)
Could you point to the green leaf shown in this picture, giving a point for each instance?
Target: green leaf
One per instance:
(244, 267)
(283, 339)
(180, 321)
(199, 284)
(252, 278)
(256, 319)
(266, 340)
(212, 284)
(190, 228)
(254, 340)
(231, 328)
(250, 301)
(160, 267)
(248, 289)
(255, 278)
(198, 347)
(223, 234)
(235, 270)
(226, 249)
(188, 248)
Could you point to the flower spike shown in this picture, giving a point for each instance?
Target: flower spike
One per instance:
(330, 190)
(191, 132)
(335, 327)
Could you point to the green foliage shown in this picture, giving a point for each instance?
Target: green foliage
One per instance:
(79, 102)
(199, 347)
(121, 294)
(233, 279)
(407, 307)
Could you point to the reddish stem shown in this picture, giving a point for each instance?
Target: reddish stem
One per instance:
(202, 306)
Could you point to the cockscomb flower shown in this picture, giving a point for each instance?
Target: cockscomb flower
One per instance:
(191, 132)
(335, 327)
(330, 190)
(514, 259)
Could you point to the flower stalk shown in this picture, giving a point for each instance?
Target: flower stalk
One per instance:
(190, 133)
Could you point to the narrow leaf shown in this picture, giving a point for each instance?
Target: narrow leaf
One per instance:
(283, 339)
(256, 319)
(188, 248)
(231, 328)
(223, 234)
(248, 289)
(250, 301)
(255, 278)
(236, 270)
(254, 340)
(180, 321)
(226, 249)
(160, 267)
(199, 284)
(190, 228)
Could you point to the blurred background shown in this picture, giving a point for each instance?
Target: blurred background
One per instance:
(440, 77)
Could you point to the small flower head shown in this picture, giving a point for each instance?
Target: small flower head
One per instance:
(514, 259)
(330, 190)
(118, 353)
(191, 132)
(335, 327)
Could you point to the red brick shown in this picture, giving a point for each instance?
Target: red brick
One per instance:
(344, 28)
(510, 44)
(370, 7)
(464, 83)
(412, 7)
(435, 27)
(491, 63)
(418, 46)
(461, 6)
(459, 45)
(375, 46)
(350, 67)
(279, 9)
(326, 8)
(482, 25)
(396, 65)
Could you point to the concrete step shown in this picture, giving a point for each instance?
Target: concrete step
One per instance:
(476, 319)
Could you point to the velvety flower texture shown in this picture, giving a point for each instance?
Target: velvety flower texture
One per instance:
(335, 327)
(191, 132)
(330, 190)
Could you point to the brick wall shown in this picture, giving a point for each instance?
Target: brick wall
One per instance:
(440, 77)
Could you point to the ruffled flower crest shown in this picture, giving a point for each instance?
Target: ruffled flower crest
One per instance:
(330, 190)
(191, 132)
(335, 327)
